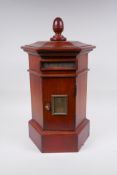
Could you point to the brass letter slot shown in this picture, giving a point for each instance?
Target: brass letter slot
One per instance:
(58, 65)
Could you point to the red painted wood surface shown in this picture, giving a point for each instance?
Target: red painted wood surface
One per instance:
(36, 90)
(61, 86)
(58, 141)
(81, 83)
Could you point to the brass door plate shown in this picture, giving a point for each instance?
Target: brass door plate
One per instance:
(59, 104)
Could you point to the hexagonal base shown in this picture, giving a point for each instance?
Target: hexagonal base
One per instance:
(58, 141)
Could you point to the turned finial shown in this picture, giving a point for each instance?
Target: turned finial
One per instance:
(58, 27)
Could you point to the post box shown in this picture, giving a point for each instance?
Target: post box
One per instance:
(58, 81)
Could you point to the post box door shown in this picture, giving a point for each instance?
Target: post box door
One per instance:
(59, 103)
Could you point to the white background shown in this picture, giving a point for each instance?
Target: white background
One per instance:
(24, 22)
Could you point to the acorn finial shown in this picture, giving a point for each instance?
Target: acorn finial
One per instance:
(58, 27)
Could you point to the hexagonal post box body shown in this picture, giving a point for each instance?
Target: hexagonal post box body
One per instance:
(58, 81)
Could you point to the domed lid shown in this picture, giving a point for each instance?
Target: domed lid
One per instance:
(58, 43)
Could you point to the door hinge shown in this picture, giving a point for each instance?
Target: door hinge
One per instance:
(75, 90)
